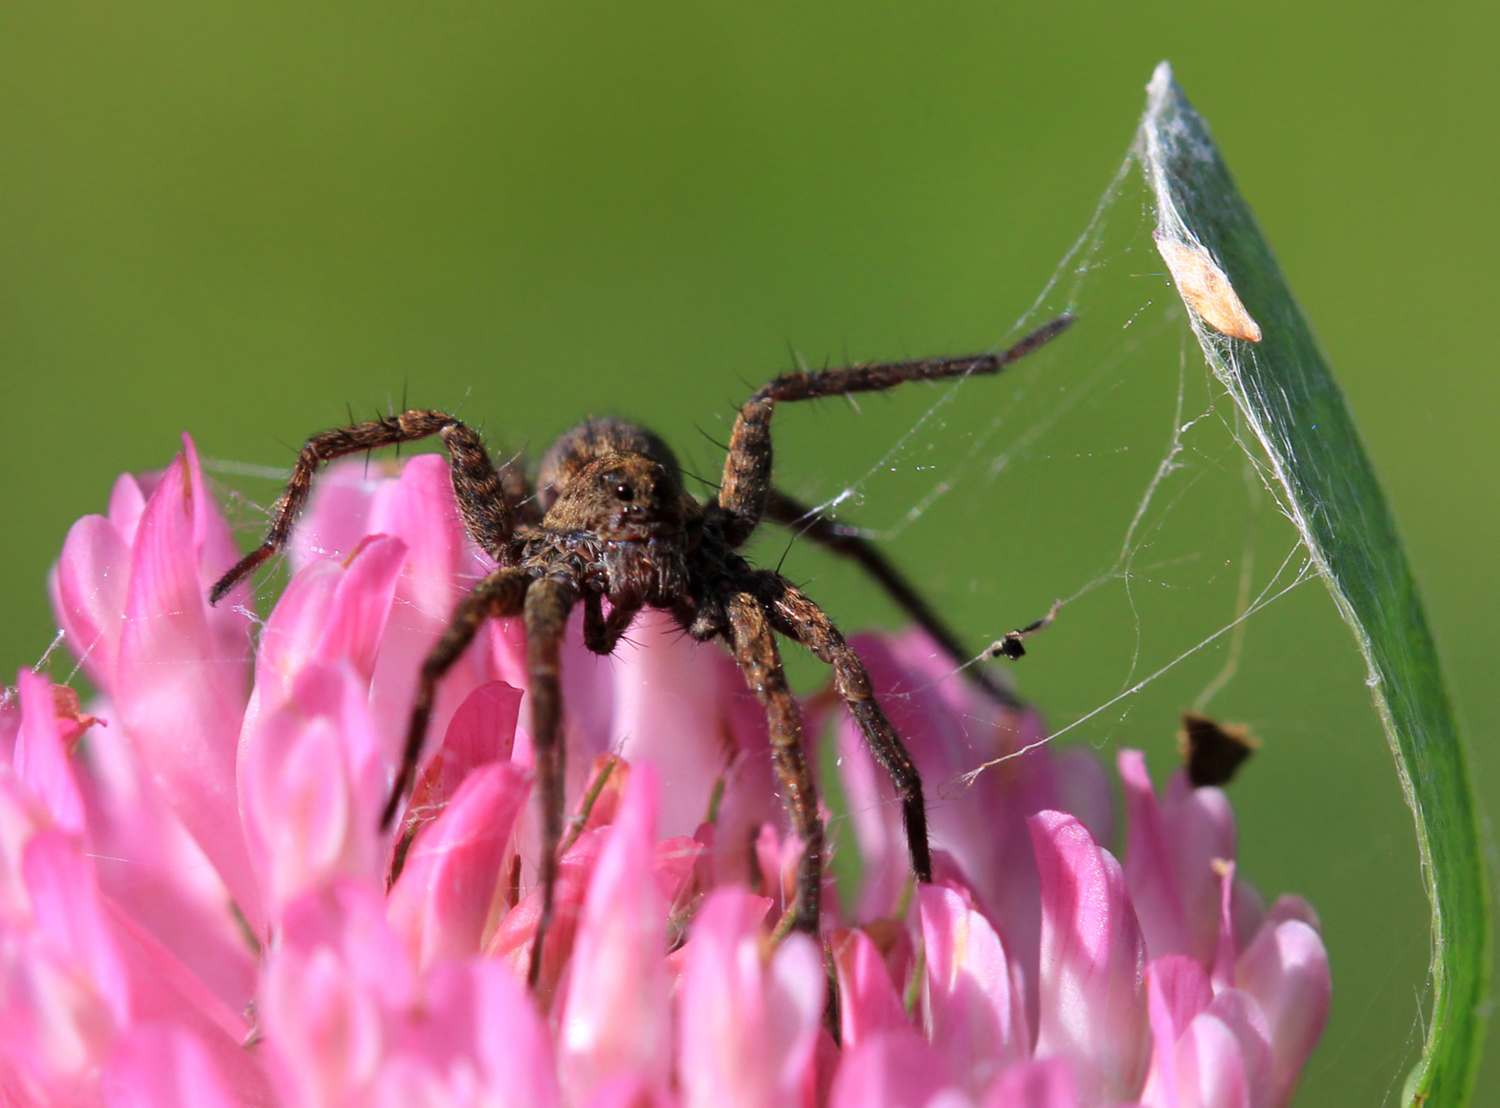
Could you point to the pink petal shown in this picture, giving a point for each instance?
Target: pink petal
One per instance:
(127, 501)
(895, 1069)
(514, 937)
(441, 566)
(748, 1030)
(162, 989)
(1177, 990)
(155, 872)
(616, 1017)
(1046, 1083)
(868, 1002)
(667, 712)
(1200, 828)
(180, 689)
(1093, 1010)
(162, 1066)
(1150, 865)
(89, 586)
(476, 1017)
(447, 890)
(330, 611)
(329, 991)
(483, 730)
(313, 786)
(1086, 792)
(1286, 970)
(1239, 1011)
(976, 1010)
(41, 759)
(54, 1031)
(951, 729)
(338, 512)
(628, 1091)
(69, 912)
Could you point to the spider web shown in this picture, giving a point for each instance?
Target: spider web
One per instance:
(1108, 475)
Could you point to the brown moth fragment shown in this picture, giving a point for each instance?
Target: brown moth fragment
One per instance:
(1205, 288)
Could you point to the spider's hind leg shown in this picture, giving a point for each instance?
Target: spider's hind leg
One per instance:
(754, 648)
(806, 522)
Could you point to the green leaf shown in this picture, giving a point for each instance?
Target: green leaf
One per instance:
(1312, 451)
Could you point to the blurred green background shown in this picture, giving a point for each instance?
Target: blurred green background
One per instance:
(240, 218)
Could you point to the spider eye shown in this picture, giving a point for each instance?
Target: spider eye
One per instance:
(624, 492)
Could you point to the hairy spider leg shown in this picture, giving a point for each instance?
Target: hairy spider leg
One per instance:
(794, 614)
(747, 470)
(548, 603)
(502, 593)
(754, 648)
(486, 512)
(843, 541)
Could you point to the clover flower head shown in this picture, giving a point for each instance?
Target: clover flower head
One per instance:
(197, 906)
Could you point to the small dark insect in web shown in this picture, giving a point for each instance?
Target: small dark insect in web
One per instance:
(1012, 645)
(607, 518)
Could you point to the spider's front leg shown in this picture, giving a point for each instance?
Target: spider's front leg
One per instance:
(502, 593)
(481, 498)
(548, 603)
(754, 648)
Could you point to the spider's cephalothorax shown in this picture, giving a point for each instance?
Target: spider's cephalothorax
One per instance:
(610, 520)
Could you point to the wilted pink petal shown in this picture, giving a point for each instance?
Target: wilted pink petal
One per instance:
(1286, 970)
(447, 891)
(41, 759)
(1045, 1083)
(976, 1012)
(894, 1069)
(868, 1002)
(180, 685)
(313, 786)
(615, 1018)
(1093, 1010)
(748, 1024)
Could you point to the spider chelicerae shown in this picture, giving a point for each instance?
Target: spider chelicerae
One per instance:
(611, 520)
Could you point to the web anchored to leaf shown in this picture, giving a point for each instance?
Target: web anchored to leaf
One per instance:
(1163, 459)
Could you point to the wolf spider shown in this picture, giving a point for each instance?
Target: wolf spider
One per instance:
(611, 520)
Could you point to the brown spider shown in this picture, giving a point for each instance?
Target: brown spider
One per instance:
(611, 520)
